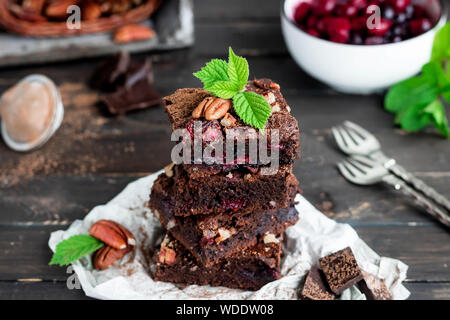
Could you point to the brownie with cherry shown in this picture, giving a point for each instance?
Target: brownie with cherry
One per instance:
(356, 21)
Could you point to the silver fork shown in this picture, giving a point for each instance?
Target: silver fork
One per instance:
(365, 171)
(355, 140)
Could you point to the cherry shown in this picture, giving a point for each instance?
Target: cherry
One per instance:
(409, 11)
(339, 29)
(301, 11)
(400, 5)
(381, 28)
(359, 4)
(419, 26)
(324, 7)
(419, 12)
(374, 40)
(311, 22)
(234, 205)
(322, 25)
(313, 32)
(397, 39)
(401, 17)
(359, 24)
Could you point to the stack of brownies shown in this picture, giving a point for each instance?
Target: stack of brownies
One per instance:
(225, 222)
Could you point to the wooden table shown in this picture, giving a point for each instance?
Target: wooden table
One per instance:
(93, 156)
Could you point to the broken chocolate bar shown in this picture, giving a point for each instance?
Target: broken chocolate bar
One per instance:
(106, 76)
(315, 287)
(341, 270)
(141, 95)
(374, 288)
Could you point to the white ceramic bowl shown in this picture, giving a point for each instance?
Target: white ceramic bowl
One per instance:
(359, 69)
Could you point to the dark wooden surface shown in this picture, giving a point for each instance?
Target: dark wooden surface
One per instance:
(93, 156)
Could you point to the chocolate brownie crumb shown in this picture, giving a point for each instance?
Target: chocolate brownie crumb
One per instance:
(341, 270)
(315, 287)
(374, 288)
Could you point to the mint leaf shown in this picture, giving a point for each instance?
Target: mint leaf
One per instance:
(237, 70)
(441, 44)
(410, 92)
(72, 249)
(215, 70)
(223, 89)
(434, 73)
(413, 118)
(437, 112)
(253, 109)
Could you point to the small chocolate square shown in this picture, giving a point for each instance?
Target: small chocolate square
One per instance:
(315, 287)
(341, 270)
(374, 288)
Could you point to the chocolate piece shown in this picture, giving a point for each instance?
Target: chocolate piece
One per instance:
(249, 269)
(374, 288)
(138, 71)
(107, 75)
(215, 236)
(141, 95)
(315, 287)
(341, 270)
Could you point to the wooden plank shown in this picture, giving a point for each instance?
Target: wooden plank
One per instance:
(425, 249)
(28, 290)
(230, 10)
(429, 291)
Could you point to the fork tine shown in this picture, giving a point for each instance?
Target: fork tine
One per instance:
(363, 133)
(338, 138)
(346, 171)
(364, 160)
(360, 167)
(346, 137)
(355, 136)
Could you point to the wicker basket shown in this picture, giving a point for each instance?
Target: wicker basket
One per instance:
(57, 29)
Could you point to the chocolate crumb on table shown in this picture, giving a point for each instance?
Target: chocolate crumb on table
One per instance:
(341, 270)
(374, 288)
(315, 287)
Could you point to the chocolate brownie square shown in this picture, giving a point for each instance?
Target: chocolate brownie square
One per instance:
(249, 269)
(181, 104)
(232, 192)
(315, 287)
(215, 236)
(341, 270)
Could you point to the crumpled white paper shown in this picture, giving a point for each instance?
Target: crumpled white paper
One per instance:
(314, 236)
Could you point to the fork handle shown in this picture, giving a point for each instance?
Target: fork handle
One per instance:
(419, 198)
(419, 185)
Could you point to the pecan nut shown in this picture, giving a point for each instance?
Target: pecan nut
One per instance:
(58, 8)
(133, 32)
(35, 6)
(106, 256)
(217, 109)
(91, 11)
(26, 15)
(113, 234)
(199, 111)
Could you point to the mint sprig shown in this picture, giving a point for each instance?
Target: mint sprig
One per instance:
(227, 80)
(72, 249)
(418, 101)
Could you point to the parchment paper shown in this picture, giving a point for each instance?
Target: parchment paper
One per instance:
(314, 236)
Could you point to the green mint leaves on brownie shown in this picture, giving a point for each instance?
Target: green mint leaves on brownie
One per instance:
(227, 80)
(418, 101)
(72, 249)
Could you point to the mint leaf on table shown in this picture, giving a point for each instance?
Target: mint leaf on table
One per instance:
(72, 249)
(238, 70)
(413, 118)
(410, 92)
(437, 112)
(227, 81)
(215, 70)
(252, 109)
(441, 44)
(223, 89)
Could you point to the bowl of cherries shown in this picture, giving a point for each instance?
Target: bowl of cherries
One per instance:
(361, 46)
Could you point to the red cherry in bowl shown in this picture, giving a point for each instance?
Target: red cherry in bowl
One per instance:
(339, 29)
(301, 11)
(419, 26)
(381, 28)
(400, 5)
(324, 7)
